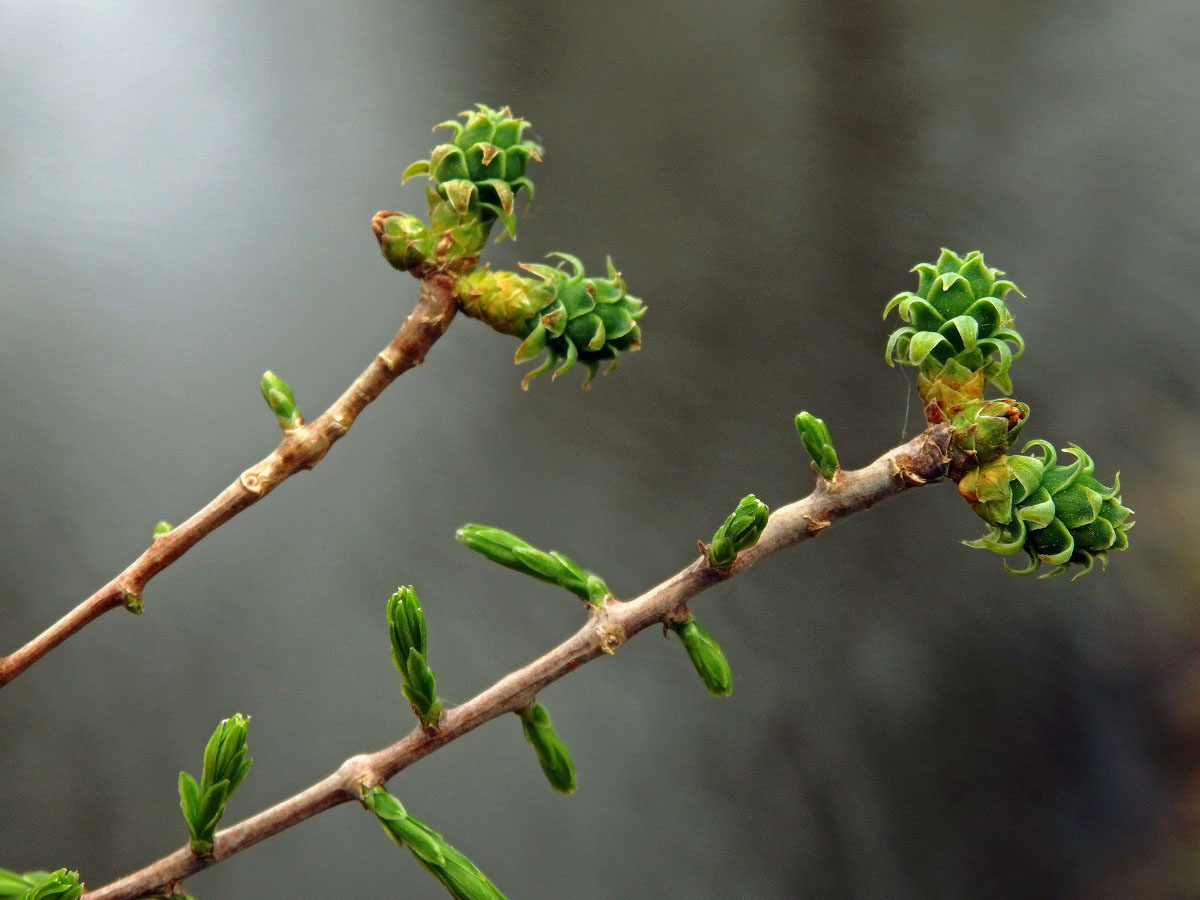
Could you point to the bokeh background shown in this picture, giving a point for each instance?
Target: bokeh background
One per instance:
(185, 192)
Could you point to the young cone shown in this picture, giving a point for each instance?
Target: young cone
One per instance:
(574, 318)
(959, 334)
(1057, 514)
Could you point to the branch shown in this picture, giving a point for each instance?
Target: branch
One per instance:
(921, 460)
(301, 448)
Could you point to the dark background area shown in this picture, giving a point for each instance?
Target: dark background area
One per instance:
(185, 195)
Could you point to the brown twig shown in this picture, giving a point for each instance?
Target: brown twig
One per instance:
(300, 448)
(921, 460)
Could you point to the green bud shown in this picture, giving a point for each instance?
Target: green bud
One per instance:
(406, 626)
(133, 603)
(985, 429)
(815, 436)
(402, 828)
(512, 552)
(456, 873)
(404, 240)
(225, 765)
(739, 532)
(279, 397)
(38, 885)
(552, 753)
(160, 529)
(61, 885)
(706, 656)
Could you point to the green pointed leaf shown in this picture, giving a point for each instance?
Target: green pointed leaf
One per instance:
(951, 295)
(896, 301)
(977, 274)
(420, 167)
(897, 345)
(926, 273)
(449, 164)
(923, 316)
(948, 262)
(922, 344)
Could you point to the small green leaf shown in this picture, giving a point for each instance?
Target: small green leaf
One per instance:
(163, 527)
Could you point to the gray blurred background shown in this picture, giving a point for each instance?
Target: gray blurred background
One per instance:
(185, 192)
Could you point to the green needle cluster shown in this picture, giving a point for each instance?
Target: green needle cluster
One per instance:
(457, 874)
(406, 625)
(706, 656)
(739, 532)
(225, 765)
(60, 885)
(509, 550)
(553, 755)
(814, 434)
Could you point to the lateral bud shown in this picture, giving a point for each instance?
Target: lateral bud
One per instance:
(815, 436)
(706, 656)
(739, 532)
(508, 550)
(552, 753)
(279, 397)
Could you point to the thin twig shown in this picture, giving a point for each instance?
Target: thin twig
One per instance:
(300, 448)
(921, 460)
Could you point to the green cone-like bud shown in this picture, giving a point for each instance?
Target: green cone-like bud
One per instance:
(60, 885)
(482, 169)
(572, 317)
(959, 326)
(406, 625)
(456, 873)
(985, 429)
(739, 532)
(225, 765)
(404, 240)
(279, 397)
(163, 527)
(552, 753)
(706, 656)
(1057, 514)
(816, 439)
(509, 550)
(451, 242)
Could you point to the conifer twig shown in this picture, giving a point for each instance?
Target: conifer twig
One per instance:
(301, 448)
(923, 459)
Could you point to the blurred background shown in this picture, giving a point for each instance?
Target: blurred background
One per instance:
(185, 196)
